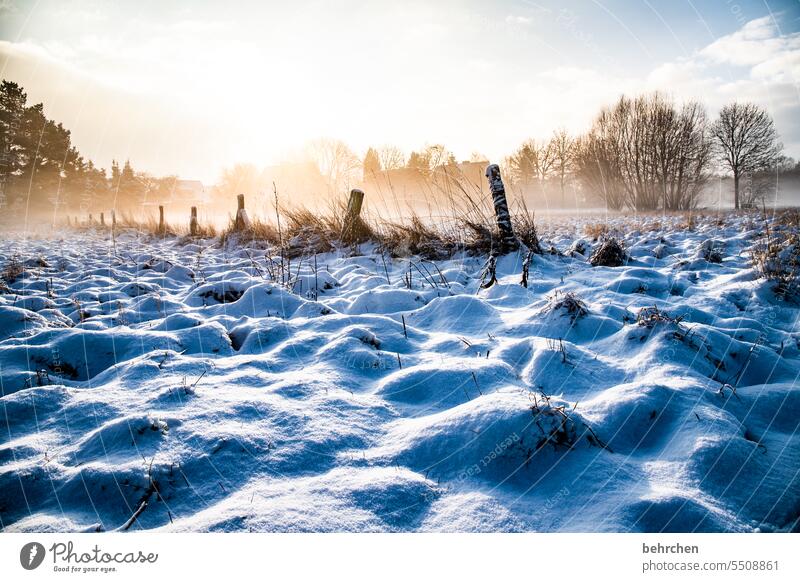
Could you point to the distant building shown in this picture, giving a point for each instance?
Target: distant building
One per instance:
(189, 190)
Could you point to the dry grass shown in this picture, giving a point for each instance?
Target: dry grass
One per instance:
(595, 230)
(416, 238)
(569, 303)
(257, 231)
(12, 270)
(525, 229)
(777, 259)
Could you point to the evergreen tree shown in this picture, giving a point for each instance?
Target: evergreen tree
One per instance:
(371, 164)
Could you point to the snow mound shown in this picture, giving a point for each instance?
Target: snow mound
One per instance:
(649, 384)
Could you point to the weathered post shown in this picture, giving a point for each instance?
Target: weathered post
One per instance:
(91, 221)
(508, 242)
(102, 219)
(352, 216)
(113, 218)
(242, 220)
(193, 221)
(161, 229)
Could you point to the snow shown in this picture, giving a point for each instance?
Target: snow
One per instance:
(178, 373)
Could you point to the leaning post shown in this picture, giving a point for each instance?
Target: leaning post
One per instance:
(193, 221)
(352, 215)
(508, 242)
(242, 220)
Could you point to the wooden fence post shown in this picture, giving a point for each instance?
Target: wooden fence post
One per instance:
(90, 219)
(102, 219)
(508, 242)
(161, 228)
(353, 216)
(193, 221)
(113, 218)
(242, 221)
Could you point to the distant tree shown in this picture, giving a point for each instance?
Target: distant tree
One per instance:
(523, 164)
(418, 163)
(371, 164)
(132, 190)
(646, 153)
(437, 155)
(562, 145)
(430, 158)
(745, 141)
(391, 157)
(336, 162)
(240, 179)
(95, 191)
(597, 166)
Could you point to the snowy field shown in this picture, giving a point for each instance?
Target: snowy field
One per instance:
(177, 386)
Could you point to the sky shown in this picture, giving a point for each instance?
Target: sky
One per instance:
(189, 88)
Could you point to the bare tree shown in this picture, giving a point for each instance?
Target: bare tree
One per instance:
(546, 161)
(745, 141)
(597, 168)
(240, 179)
(391, 157)
(562, 146)
(336, 162)
(646, 153)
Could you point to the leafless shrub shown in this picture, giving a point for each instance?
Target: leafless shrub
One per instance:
(710, 251)
(651, 316)
(569, 303)
(12, 270)
(779, 262)
(610, 253)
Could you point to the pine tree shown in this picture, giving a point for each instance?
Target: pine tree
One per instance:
(371, 164)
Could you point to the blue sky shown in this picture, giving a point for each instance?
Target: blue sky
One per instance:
(190, 87)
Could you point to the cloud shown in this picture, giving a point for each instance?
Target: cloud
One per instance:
(758, 41)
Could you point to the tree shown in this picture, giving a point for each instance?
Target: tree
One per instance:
(745, 141)
(646, 153)
(562, 146)
(240, 179)
(523, 164)
(371, 164)
(432, 157)
(12, 110)
(132, 188)
(418, 163)
(336, 162)
(391, 157)
(597, 166)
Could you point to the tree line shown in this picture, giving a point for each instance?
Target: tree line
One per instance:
(641, 153)
(41, 169)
